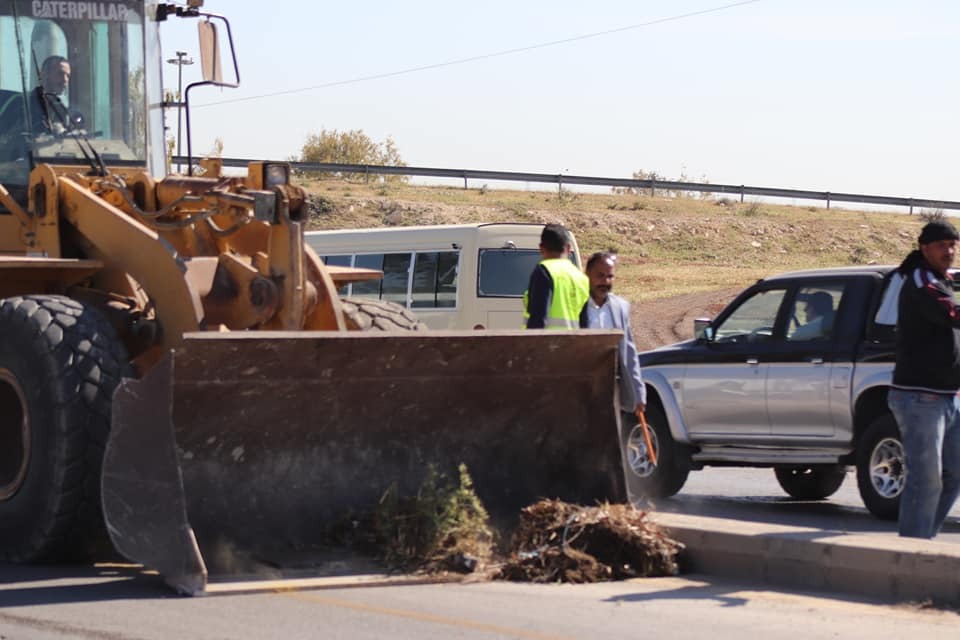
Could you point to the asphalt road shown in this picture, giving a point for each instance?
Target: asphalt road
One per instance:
(123, 602)
(122, 605)
(753, 494)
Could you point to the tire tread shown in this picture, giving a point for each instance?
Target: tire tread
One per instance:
(83, 361)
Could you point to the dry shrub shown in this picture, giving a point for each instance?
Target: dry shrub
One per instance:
(445, 527)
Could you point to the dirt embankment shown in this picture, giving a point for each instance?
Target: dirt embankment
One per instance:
(668, 320)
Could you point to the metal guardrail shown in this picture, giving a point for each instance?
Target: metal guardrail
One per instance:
(629, 183)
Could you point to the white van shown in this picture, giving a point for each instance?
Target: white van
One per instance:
(462, 276)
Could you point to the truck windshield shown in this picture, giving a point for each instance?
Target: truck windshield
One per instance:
(70, 72)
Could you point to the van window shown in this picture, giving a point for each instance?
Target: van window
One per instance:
(396, 276)
(370, 288)
(448, 265)
(434, 283)
(505, 273)
(338, 261)
(435, 280)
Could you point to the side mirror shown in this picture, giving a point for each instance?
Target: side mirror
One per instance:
(702, 329)
(209, 51)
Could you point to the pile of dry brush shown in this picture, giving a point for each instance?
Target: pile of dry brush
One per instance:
(561, 542)
(445, 528)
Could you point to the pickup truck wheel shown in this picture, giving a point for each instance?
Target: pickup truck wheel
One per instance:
(644, 478)
(59, 364)
(881, 471)
(815, 482)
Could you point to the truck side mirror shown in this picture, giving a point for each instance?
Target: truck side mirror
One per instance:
(209, 51)
(702, 329)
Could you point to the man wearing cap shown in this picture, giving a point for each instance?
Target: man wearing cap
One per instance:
(558, 289)
(926, 381)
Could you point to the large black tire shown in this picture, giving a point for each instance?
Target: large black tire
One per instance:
(881, 468)
(369, 314)
(59, 364)
(646, 480)
(814, 482)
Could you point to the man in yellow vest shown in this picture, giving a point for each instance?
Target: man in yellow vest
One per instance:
(558, 289)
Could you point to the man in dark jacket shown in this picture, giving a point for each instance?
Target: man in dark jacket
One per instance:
(558, 289)
(48, 113)
(926, 381)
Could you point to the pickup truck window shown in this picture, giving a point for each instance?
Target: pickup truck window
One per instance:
(753, 319)
(813, 312)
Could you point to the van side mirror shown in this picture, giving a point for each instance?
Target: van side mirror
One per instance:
(702, 329)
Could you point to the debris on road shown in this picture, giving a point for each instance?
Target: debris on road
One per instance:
(446, 529)
(560, 542)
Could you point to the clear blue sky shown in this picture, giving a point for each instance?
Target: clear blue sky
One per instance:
(839, 95)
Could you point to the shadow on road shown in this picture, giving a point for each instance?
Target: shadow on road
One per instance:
(730, 593)
(22, 586)
(786, 511)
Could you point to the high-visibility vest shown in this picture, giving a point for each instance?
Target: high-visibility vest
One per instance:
(571, 289)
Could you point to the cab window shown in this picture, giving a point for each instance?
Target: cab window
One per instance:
(753, 320)
(813, 312)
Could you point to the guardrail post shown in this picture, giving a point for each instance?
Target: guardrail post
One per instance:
(911, 206)
(741, 194)
(465, 187)
(653, 187)
(828, 199)
(559, 185)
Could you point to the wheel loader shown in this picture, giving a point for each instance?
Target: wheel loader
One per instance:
(178, 374)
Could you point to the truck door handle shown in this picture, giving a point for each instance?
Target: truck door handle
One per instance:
(753, 361)
(816, 360)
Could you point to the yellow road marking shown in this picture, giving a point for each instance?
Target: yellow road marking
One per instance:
(461, 623)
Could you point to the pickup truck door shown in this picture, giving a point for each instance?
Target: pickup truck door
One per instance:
(724, 393)
(800, 379)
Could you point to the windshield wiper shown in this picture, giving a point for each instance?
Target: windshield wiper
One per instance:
(78, 134)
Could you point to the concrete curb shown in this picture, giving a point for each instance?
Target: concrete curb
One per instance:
(280, 585)
(884, 566)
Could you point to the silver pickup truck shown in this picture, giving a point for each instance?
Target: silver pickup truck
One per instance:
(792, 375)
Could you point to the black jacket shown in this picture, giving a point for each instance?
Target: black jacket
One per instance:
(928, 331)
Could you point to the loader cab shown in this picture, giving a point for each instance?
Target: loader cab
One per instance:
(105, 96)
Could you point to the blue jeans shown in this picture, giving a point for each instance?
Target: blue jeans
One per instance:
(930, 429)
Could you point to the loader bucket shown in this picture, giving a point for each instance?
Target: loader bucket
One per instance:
(263, 440)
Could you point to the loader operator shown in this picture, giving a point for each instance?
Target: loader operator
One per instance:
(558, 289)
(48, 113)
